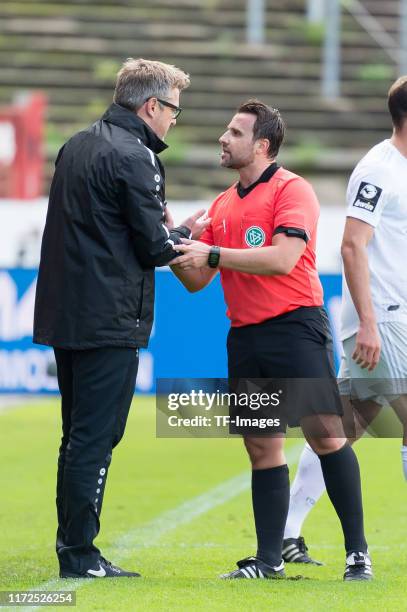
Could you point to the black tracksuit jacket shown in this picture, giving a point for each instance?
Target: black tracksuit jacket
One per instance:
(103, 237)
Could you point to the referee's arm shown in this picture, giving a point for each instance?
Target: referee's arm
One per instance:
(194, 279)
(278, 259)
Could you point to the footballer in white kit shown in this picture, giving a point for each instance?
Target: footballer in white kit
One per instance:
(373, 369)
(376, 217)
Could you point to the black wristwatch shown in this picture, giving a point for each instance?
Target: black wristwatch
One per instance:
(213, 257)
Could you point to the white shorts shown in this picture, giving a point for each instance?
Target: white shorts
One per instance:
(389, 378)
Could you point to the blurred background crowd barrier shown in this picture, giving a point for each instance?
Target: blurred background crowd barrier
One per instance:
(326, 64)
(188, 339)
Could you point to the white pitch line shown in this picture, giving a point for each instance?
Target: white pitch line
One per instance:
(164, 523)
(152, 531)
(17, 402)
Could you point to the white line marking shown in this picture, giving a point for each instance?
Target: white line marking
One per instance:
(15, 402)
(151, 532)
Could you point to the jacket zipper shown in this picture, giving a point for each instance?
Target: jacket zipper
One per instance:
(141, 304)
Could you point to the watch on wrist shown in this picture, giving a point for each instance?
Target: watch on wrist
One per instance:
(213, 257)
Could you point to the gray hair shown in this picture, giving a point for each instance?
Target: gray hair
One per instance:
(140, 79)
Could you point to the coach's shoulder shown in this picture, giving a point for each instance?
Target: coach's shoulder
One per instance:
(138, 168)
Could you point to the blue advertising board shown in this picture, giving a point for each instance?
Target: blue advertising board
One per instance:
(188, 338)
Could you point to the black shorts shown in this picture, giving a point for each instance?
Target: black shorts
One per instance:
(296, 345)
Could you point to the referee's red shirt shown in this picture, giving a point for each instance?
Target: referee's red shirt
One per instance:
(250, 220)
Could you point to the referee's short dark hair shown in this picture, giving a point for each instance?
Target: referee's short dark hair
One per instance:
(397, 102)
(269, 124)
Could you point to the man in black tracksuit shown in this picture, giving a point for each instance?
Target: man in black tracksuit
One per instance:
(107, 228)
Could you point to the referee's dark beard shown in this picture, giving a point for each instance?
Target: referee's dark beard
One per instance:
(237, 161)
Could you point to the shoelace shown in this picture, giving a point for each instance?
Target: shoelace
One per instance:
(359, 559)
(108, 563)
(302, 547)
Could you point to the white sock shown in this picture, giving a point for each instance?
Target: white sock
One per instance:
(404, 460)
(306, 490)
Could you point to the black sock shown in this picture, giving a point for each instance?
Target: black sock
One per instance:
(342, 481)
(271, 497)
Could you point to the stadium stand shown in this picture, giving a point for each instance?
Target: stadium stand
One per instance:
(71, 51)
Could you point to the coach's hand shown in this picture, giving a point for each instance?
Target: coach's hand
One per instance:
(193, 254)
(368, 346)
(197, 223)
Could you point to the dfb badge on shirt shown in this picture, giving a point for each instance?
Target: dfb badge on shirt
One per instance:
(367, 196)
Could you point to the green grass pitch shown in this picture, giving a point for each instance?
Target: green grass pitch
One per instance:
(162, 517)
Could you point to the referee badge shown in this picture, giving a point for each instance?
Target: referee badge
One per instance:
(255, 236)
(367, 196)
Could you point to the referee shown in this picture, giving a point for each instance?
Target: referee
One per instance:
(262, 238)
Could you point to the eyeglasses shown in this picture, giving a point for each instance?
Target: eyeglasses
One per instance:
(176, 110)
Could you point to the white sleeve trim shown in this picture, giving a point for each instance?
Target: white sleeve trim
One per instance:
(359, 215)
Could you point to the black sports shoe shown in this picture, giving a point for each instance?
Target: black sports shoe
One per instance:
(296, 551)
(255, 568)
(358, 567)
(103, 569)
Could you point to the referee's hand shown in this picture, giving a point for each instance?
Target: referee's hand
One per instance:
(197, 223)
(368, 346)
(193, 254)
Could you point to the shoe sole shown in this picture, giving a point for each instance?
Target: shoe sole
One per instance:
(74, 576)
(86, 577)
(318, 563)
(358, 579)
(273, 577)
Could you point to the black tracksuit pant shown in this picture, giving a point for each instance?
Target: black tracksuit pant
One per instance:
(97, 387)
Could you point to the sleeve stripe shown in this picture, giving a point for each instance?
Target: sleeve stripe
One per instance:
(167, 231)
(152, 156)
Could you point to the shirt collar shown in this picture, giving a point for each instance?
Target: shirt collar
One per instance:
(128, 120)
(264, 178)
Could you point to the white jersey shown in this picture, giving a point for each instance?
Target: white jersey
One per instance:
(377, 195)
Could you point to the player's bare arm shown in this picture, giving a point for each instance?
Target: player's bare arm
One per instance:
(357, 236)
(278, 259)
